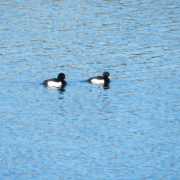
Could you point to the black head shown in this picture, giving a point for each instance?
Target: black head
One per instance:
(106, 74)
(61, 76)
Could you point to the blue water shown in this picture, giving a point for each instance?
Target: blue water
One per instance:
(129, 131)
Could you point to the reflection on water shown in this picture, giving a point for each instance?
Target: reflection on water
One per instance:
(61, 89)
(128, 129)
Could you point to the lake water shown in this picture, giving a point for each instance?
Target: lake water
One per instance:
(130, 130)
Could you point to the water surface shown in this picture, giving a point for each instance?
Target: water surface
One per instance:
(129, 131)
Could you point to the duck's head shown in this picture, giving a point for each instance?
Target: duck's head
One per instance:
(61, 76)
(106, 74)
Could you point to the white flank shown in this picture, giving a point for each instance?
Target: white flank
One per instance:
(97, 81)
(54, 84)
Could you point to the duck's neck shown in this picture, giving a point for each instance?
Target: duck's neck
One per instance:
(106, 79)
(63, 81)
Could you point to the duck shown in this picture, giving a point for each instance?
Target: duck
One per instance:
(104, 79)
(56, 82)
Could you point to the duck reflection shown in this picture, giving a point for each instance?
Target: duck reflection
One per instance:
(106, 86)
(61, 89)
